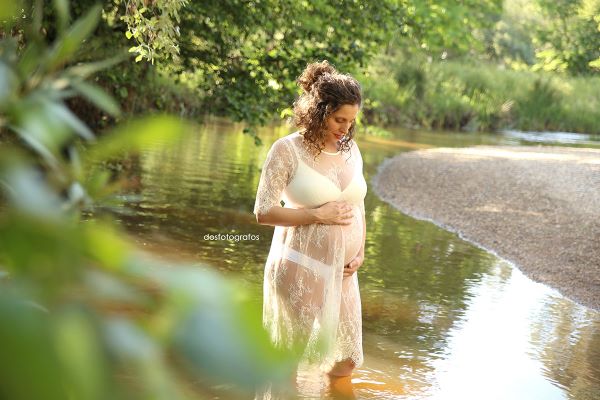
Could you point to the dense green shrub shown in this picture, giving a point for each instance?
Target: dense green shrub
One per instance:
(477, 96)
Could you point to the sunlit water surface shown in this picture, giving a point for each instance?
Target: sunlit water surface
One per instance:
(442, 319)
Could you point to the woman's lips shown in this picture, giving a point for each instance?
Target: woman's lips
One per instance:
(339, 136)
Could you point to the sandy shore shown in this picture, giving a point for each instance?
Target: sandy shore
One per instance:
(538, 207)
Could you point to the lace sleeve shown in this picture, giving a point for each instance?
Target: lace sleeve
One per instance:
(277, 172)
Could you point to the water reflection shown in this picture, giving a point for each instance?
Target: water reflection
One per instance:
(442, 318)
(511, 362)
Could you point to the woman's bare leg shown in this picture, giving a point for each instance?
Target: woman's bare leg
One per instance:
(342, 368)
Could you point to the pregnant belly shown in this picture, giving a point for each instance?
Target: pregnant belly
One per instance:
(353, 236)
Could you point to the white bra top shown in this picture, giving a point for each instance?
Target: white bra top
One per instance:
(309, 188)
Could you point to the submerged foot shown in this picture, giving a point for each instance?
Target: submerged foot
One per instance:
(341, 387)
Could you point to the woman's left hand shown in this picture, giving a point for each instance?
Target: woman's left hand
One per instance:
(353, 265)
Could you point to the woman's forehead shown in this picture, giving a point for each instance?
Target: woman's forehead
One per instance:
(347, 111)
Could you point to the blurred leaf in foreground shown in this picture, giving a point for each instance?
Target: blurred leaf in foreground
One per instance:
(83, 313)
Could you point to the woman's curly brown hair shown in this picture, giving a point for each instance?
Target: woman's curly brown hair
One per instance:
(325, 90)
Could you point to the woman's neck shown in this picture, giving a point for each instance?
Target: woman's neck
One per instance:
(331, 148)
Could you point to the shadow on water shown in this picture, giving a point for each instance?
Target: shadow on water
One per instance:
(442, 318)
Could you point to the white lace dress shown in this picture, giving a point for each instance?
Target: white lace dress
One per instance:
(307, 301)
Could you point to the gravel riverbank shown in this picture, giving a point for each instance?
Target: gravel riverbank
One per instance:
(538, 207)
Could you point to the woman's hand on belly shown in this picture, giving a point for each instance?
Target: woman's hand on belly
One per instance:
(335, 213)
(353, 265)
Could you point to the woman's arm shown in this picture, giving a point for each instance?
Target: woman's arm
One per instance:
(287, 217)
(334, 212)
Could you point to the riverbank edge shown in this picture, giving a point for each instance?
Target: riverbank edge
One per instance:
(382, 189)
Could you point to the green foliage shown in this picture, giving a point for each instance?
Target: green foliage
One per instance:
(511, 40)
(245, 56)
(570, 37)
(80, 306)
(456, 95)
(153, 25)
(8, 10)
(560, 36)
(413, 78)
(539, 104)
(238, 58)
(445, 28)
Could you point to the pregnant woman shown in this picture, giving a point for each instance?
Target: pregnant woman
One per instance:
(311, 295)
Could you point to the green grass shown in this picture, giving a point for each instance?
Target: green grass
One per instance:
(482, 97)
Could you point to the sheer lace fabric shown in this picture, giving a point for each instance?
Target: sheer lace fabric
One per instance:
(307, 302)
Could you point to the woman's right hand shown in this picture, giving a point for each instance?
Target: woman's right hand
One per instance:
(335, 213)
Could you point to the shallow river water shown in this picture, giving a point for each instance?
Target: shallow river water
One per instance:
(442, 318)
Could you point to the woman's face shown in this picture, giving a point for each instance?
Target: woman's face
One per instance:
(338, 123)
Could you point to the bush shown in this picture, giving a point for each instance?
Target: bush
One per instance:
(461, 96)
